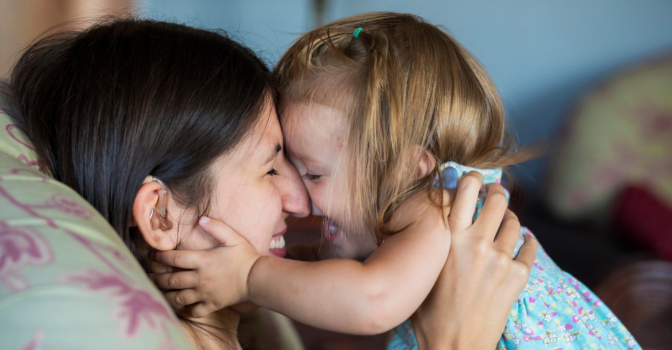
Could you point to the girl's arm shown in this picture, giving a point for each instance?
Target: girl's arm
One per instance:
(360, 298)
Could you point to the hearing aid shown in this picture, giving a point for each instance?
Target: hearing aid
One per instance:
(159, 218)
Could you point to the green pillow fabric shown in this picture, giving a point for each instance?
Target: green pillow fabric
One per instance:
(67, 281)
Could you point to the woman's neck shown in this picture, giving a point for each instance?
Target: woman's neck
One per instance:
(215, 331)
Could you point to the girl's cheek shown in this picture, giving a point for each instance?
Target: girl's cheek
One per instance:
(314, 194)
(317, 196)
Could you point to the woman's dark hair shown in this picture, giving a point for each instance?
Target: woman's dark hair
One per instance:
(108, 105)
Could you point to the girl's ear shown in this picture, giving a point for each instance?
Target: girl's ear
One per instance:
(426, 164)
(146, 206)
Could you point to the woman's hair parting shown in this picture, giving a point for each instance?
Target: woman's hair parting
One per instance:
(126, 98)
(401, 83)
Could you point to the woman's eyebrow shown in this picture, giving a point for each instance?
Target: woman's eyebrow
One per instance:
(275, 152)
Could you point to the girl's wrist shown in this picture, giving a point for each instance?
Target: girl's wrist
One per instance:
(253, 277)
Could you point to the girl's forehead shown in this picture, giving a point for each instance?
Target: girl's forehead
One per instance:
(306, 117)
(313, 131)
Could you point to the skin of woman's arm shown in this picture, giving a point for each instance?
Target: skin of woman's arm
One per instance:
(360, 298)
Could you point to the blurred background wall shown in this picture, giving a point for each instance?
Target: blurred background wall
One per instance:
(21, 21)
(542, 55)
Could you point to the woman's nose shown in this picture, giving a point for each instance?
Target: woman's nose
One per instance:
(294, 195)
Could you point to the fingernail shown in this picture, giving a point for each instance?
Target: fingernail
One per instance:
(204, 220)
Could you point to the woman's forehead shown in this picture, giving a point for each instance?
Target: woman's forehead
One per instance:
(263, 139)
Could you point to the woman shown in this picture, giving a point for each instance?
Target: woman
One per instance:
(158, 124)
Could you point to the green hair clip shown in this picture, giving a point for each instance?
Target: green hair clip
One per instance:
(356, 32)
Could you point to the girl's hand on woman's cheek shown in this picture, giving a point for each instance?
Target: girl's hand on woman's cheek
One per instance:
(471, 301)
(207, 280)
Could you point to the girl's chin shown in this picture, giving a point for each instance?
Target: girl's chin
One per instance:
(281, 252)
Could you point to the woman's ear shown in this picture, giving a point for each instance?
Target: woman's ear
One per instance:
(145, 207)
(426, 164)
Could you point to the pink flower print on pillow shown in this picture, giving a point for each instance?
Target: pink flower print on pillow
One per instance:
(22, 157)
(19, 247)
(35, 341)
(135, 308)
(68, 206)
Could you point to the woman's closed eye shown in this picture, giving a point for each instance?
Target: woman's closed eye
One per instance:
(272, 172)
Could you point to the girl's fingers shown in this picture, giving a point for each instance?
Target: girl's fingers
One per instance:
(184, 259)
(493, 211)
(156, 267)
(181, 298)
(528, 252)
(177, 280)
(220, 231)
(464, 206)
(509, 233)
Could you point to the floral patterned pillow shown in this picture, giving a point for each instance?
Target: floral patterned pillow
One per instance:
(66, 279)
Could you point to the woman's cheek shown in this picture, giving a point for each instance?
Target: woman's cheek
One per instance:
(264, 216)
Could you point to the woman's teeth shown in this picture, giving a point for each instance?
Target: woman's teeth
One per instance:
(278, 244)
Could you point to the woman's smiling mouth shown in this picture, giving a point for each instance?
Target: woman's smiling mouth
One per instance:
(277, 245)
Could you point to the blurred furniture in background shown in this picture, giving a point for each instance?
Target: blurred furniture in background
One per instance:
(619, 135)
(642, 220)
(21, 21)
(606, 212)
(640, 294)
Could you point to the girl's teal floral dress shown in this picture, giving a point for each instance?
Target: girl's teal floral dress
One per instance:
(554, 311)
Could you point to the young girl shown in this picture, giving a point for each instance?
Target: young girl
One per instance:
(379, 111)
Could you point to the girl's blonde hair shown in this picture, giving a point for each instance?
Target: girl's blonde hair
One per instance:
(401, 83)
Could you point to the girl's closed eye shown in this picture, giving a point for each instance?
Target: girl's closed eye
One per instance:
(311, 177)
